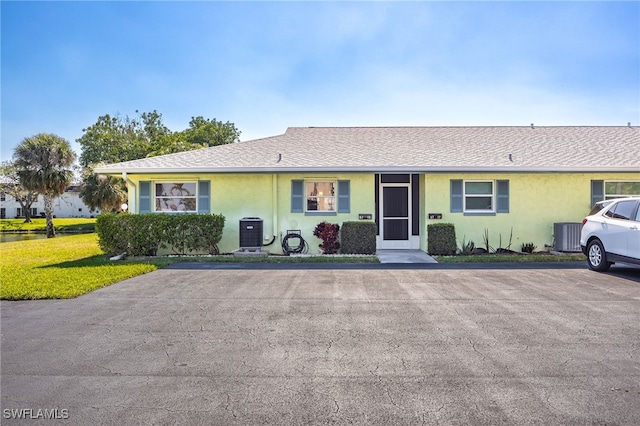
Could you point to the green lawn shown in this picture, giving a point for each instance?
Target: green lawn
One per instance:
(70, 266)
(40, 225)
(61, 268)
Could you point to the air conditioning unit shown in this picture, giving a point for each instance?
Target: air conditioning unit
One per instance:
(567, 236)
(250, 233)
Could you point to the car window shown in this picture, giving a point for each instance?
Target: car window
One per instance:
(638, 215)
(599, 206)
(622, 210)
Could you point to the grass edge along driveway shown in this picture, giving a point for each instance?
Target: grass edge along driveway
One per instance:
(70, 266)
(62, 268)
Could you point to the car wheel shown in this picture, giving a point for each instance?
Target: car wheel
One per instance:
(597, 257)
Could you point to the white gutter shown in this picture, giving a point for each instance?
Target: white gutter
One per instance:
(132, 193)
(371, 169)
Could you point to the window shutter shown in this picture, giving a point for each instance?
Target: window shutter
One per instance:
(297, 196)
(344, 196)
(145, 197)
(503, 196)
(597, 191)
(204, 197)
(456, 195)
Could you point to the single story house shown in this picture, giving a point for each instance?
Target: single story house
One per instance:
(503, 182)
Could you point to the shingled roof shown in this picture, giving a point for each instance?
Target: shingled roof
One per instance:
(411, 149)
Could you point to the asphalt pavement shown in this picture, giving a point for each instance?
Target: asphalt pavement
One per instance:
(193, 345)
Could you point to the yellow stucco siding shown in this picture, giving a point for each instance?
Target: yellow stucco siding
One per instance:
(252, 195)
(362, 200)
(536, 202)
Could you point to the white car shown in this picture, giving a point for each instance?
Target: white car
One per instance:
(611, 233)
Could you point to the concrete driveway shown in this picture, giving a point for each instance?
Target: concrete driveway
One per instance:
(181, 346)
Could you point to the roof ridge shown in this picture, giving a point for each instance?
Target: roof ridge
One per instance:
(535, 126)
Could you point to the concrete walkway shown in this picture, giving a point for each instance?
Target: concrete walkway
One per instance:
(404, 256)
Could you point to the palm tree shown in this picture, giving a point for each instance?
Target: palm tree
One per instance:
(103, 192)
(43, 164)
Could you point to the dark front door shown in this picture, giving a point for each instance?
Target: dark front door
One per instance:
(395, 215)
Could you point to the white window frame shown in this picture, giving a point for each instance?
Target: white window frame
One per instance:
(20, 212)
(318, 196)
(492, 196)
(612, 196)
(163, 182)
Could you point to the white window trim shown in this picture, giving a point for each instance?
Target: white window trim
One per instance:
(335, 196)
(612, 196)
(155, 196)
(492, 195)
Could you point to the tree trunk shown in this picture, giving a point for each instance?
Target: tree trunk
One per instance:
(48, 210)
(26, 208)
(27, 213)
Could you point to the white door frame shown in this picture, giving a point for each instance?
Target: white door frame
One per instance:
(413, 241)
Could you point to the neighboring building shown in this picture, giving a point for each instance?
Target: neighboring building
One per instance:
(68, 204)
(500, 180)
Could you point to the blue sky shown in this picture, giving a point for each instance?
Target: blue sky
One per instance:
(266, 66)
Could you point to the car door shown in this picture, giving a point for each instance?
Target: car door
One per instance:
(634, 235)
(618, 224)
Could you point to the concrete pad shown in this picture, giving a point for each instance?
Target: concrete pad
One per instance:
(183, 346)
(404, 256)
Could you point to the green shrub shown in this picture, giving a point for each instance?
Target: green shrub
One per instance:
(441, 239)
(358, 238)
(144, 234)
(192, 233)
(210, 233)
(111, 239)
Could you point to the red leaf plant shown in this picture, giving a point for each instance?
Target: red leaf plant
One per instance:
(328, 233)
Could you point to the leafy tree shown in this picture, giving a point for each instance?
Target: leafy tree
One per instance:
(204, 132)
(201, 133)
(113, 139)
(10, 184)
(44, 165)
(103, 192)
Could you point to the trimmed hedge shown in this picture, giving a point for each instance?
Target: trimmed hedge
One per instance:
(144, 234)
(441, 239)
(358, 238)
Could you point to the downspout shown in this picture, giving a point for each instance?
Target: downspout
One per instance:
(131, 186)
(274, 203)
